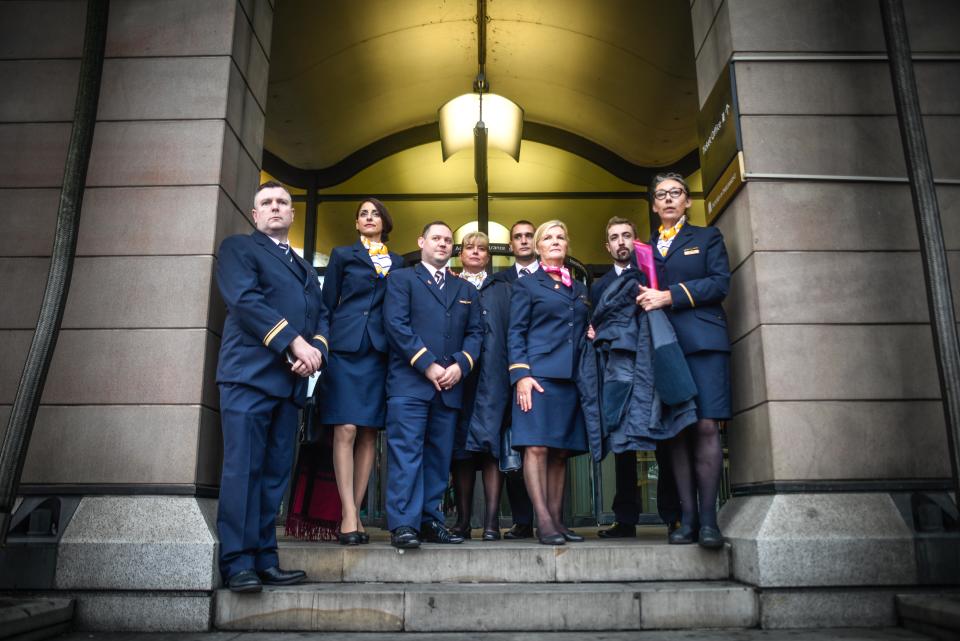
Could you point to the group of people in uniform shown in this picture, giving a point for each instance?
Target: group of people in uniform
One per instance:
(444, 363)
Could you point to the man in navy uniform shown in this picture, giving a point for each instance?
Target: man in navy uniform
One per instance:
(620, 235)
(432, 319)
(525, 263)
(273, 340)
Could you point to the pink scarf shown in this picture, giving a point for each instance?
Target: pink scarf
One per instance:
(563, 271)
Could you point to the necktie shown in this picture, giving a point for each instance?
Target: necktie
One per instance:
(286, 250)
(524, 272)
(438, 276)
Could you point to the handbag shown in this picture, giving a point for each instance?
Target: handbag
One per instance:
(510, 459)
(311, 430)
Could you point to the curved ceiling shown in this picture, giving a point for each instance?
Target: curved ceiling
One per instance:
(619, 73)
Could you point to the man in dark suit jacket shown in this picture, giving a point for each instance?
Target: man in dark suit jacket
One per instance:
(620, 235)
(433, 323)
(273, 340)
(525, 263)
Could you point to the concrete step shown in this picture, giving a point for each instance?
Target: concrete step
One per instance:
(30, 619)
(490, 607)
(936, 615)
(507, 562)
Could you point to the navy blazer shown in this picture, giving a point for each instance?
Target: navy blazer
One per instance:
(600, 285)
(270, 301)
(697, 272)
(354, 298)
(548, 322)
(427, 325)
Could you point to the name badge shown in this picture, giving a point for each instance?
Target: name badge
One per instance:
(691, 251)
(465, 302)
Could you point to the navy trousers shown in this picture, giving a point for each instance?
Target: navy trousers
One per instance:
(419, 448)
(258, 444)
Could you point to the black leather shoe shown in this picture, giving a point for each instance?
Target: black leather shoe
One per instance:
(404, 538)
(348, 538)
(619, 531)
(364, 538)
(491, 535)
(519, 531)
(572, 536)
(435, 532)
(245, 581)
(276, 576)
(553, 539)
(683, 535)
(463, 532)
(710, 538)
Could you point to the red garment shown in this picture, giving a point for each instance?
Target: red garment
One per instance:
(314, 513)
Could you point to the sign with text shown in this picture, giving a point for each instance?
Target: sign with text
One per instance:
(718, 129)
(723, 192)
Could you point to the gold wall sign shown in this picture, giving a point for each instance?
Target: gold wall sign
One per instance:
(730, 182)
(718, 129)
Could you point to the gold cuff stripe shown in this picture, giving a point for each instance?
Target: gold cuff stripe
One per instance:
(469, 358)
(423, 350)
(692, 304)
(519, 366)
(272, 334)
(320, 338)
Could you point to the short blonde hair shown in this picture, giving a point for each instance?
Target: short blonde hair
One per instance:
(542, 229)
(474, 237)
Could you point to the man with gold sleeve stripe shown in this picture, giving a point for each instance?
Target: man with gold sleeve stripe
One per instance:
(274, 338)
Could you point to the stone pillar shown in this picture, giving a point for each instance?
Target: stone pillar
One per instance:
(129, 416)
(838, 445)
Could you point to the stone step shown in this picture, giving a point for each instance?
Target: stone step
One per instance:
(23, 619)
(490, 607)
(936, 615)
(507, 562)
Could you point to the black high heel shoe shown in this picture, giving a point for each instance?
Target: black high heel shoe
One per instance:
(462, 532)
(491, 535)
(683, 535)
(364, 538)
(572, 536)
(710, 538)
(348, 538)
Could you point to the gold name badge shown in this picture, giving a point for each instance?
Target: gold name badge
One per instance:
(691, 251)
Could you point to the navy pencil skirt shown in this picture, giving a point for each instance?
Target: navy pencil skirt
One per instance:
(353, 388)
(556, 419)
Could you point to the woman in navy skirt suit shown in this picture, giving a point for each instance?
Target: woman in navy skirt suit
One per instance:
(352, 390)
(548, 322)
(692, 265)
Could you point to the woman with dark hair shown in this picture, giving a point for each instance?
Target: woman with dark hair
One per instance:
(486, 396)
(548, 323)
(352, 394)
(692, 265)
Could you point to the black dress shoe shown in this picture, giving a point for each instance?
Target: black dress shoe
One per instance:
(519, 531)
(491, 535)
(572, 536)
(435, 532)
(462, 532)
(348, 538)
(364, 538)
(404, 538)
(710, 538)
(683, 535)
(244, 581)
(553, 539)
(619, 531)
(276, 576)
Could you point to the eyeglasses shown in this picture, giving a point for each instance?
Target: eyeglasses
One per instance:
(674, 193)
(372, 213)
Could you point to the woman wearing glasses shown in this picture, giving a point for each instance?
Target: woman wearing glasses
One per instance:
(548, 323)
(692, 268)
(352, 394)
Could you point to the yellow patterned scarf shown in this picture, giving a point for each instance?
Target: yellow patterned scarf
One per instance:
(380, 256)
(666, 237)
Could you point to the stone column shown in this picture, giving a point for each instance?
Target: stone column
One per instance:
(838, 445)
(129, 416)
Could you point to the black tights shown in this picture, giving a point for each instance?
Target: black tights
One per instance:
(464, 474)
(697, 463)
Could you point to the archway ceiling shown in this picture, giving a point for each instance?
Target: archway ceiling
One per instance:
(344, 74)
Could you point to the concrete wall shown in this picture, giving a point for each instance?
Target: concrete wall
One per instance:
(833, 368)
(131, 397)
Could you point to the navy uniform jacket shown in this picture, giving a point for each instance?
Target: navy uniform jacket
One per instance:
(427, 325)
(600, 285)
(270, 301)
(354, 298)
(698, 275)
(548, 323)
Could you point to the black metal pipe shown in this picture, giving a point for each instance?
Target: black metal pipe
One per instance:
(23, 415)
(480, 175)
(310, 221)
(936, 273)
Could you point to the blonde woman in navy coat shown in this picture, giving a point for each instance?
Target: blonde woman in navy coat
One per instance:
(692, 266)
(353, 394)
(548, 322)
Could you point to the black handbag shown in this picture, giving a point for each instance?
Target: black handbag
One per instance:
(311, 430)
(510, 459)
